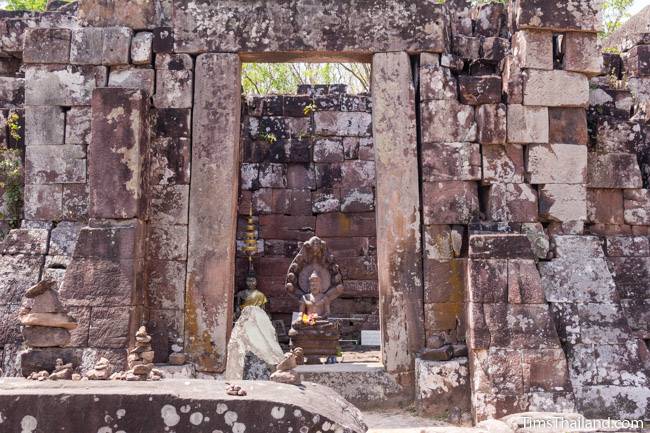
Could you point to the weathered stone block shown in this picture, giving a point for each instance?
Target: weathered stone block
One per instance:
(44, 125)
(62, 85)
(450, 202)
(75, 201)
(110, 327)
(500, 246)
(560, 202)
(167, 242)
(459, 118)
(43, 202)
(495, 49)
(101, 46)
(637, 63)
(503, 164)
(582, 53)
(533, 49)
(524, 283)
(466, 47)
(636, 206)
(510, 202)
(614, 135)
(527, 124)
(357, 200)
(605, 206)
(442, 242)
(556, 163)
(165, 286)
(141, 48)
(87, 46)
(47, 46)
(442, 386)
(169, 204)
(116, 153)
(442, 317)
(117, 44)
(479, 90)
(341, 123)
(173, 89)
(451, 161)
(12, 91)
(545, 370)
(628, 246)
(329, 150)
(132, 78)
(488, 281)
(139, 14)
(97, 281)
(568, 126)
(170, 148)
(304, 28)
(179, 62)
(491, 123)
(25, 241)
(555, 88)
(544, 14)
(118, 242)
(77, 128)
(55, 164)
(614, 170)
(436, 82)
(444, 280)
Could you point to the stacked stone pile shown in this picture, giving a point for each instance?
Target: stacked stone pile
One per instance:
(61, 372)
(46, 323)
(140, 360)
(101, 371)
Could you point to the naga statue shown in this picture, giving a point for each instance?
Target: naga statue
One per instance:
(315, 280)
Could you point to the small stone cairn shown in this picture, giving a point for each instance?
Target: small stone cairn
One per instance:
(140, 360)
(101, 371)
(45, 322)
(285, 371)
(61, 372)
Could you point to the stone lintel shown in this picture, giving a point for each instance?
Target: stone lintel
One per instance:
(306, 26)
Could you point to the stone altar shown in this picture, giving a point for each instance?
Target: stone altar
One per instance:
(315, 279)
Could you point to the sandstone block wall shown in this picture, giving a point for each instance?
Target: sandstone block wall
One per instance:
(311, 173)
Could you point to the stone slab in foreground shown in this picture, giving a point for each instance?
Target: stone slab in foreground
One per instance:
(173, 405)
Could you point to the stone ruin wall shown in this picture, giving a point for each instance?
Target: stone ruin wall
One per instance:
(311, 174)
(525, 138)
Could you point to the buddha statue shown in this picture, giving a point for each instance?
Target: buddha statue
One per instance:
(315, 280)
(251, 296)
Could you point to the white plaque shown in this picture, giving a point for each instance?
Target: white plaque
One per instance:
(370, 338)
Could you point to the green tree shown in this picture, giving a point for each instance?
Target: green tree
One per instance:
(26, 5)
(284, 78)
(615, 12)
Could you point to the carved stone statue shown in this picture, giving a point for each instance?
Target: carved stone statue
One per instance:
(315, 280)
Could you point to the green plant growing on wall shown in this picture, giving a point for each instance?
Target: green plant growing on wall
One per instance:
(26, 5)
(11, 174)
(269, 137)
(14, 126)
(615, 12)
(11, 183)
(309, 109)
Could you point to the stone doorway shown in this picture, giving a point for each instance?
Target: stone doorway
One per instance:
(214, 201)
(307, 169)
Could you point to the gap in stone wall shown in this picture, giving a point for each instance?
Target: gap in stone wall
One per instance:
(307, 169)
